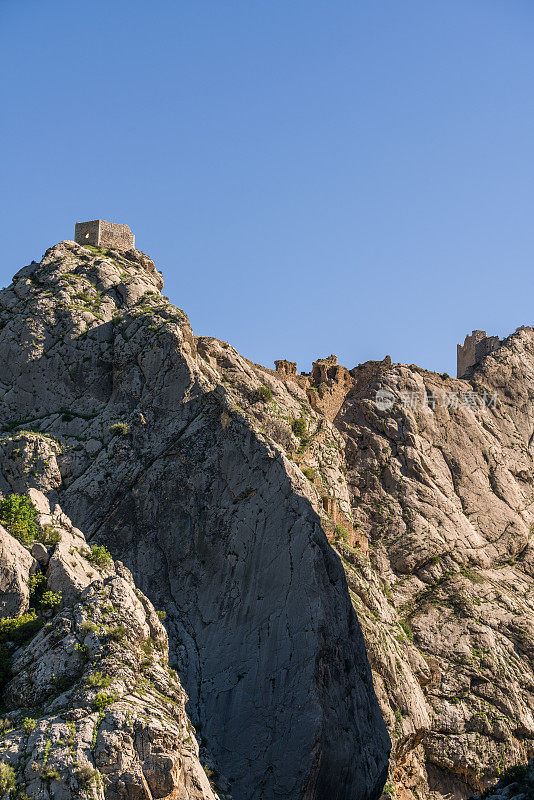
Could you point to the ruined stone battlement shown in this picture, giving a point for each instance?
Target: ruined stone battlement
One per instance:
(475, 347)
(99, 233)
(286, 367)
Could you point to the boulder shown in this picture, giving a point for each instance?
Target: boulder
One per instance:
(15, 566)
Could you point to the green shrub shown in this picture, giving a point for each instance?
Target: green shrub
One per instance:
(341, 533)
(40, 596)
(5, 725)
(49, 774)
(19, 629)
(148, 647)
(116, 632)
(7, 778)
(162, 615)
(265, 394)
(50, 536)
(309, 473)
(99, 556)
(37, 585)
(28, 725)
(98, 679)
(445, 375)
(119, 429)
(299, 427)
(104, 699)
(407, 628)
(51, 599)
(86, 776)
(18, 516)
(88, 627)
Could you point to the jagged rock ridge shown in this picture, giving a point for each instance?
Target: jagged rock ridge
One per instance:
(216, 480)
(155, 457)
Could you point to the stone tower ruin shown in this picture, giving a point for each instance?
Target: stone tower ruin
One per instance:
(473, 350)
(100, 233)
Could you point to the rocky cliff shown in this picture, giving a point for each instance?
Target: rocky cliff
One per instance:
(153, 446)
(261, 507)
(91, 707)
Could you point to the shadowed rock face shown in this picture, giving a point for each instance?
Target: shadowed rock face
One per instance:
(163, 461)
(90, 706)
(445, 496)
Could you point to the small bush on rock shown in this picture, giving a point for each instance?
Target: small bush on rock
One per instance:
(99, 556)
(104, 699)
(19, 629)
(86, 776)
(116, 632)
(28, 725)
(98, 679)
(119, 429)
(50, 774)
(299, 427)
(279, 431)
(341, 533)
(37, 586)
(50, 536)
(265, 394)
(88, 627)
(18, 516)
(7, 778)
(51, 599)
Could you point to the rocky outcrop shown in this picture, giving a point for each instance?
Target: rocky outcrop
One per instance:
(429, 503)
(261, 508)
(152, 452)
(15, 566)
(517, 782)
(91, 706)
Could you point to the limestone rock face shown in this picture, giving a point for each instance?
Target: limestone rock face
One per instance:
(93, 708)
(15, 565)
(517, 782)
(219, 483)
(263, 508)
(160, 446)
(429, 504)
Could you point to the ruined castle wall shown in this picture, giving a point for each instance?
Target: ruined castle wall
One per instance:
(87, 232)
(115, 236)
(99, 233)
(476, 347)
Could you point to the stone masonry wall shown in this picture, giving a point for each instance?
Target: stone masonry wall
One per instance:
(474, 349)
(100, 233)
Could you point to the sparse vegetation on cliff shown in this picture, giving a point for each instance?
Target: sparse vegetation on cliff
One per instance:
(18, 516)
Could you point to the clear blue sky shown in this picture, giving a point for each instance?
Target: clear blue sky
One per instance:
(312, 176)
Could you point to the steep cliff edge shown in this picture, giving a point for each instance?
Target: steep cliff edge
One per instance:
(148, 448)
(90, 705)
(428, 499)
